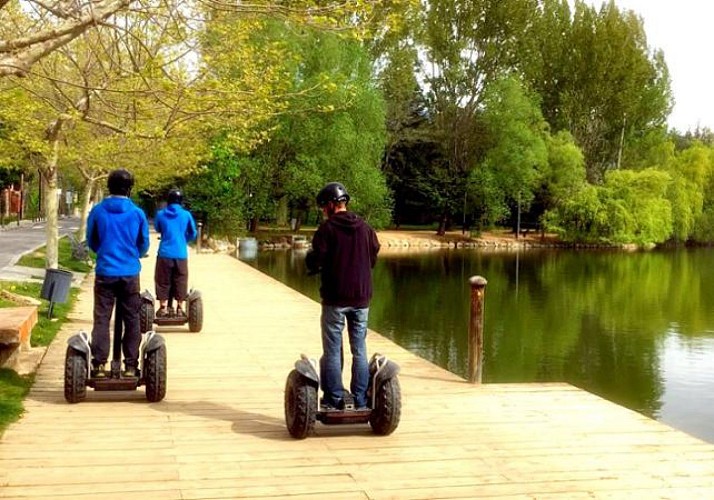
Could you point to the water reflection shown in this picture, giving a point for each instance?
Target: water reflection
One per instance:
(635, 328)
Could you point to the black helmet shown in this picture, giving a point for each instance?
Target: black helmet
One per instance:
(120, 182)
(334, 191)
(175, 196)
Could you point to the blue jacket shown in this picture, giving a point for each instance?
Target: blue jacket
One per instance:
(177, 228)
(118, 232)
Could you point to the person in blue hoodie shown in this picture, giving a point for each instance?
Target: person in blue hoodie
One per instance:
(118, 232)
(176, 227)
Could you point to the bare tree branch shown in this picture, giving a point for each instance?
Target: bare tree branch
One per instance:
(22, 52)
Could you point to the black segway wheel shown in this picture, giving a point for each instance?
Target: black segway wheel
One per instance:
(75, 376)
(195, 315)
(155, 374)
(300, 405)
(387, 408)
(146, 316)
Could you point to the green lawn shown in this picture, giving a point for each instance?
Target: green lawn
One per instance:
(13, 387)
(66, 262)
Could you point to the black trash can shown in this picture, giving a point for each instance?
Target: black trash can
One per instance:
(56, 287)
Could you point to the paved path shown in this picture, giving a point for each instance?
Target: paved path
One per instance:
(220, 431)
(16, 241)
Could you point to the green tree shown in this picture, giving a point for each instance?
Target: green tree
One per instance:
(630, 207)
(691, 172)
(466, 45)
(564, 176)
(517, 155)
(598, 78)
(331, 127)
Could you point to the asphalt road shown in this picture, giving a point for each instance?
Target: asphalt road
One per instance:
(16, 241)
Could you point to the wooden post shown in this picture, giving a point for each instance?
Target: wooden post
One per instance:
(199, 236)
(478, 291)
(22, 196)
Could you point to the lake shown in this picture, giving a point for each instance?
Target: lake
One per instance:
(636, 328)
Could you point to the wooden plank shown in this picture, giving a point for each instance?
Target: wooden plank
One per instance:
(220, 432)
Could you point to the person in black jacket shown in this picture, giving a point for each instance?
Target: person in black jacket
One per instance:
(344, 251)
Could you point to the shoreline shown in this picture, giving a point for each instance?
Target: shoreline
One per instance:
(394, 241)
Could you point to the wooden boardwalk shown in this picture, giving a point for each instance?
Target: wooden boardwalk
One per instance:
(220, 431)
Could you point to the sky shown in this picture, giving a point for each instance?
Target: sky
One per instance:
(683, 30)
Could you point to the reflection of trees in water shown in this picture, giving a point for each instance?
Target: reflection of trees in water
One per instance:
(596, 319)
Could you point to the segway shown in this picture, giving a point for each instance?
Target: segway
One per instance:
(303, 408)
(151, 371)
(194, 313)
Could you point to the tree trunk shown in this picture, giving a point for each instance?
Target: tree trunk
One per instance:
(282, 212)
(441, 231)
(253, 225)
(86, 203)
(49, 177)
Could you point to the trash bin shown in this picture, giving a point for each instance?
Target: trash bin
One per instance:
(55, 287)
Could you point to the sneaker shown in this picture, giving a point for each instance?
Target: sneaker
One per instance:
(325, 406)
(162, 312)
(180, 313)
(363, 408)
(99, 371)
(129, 372)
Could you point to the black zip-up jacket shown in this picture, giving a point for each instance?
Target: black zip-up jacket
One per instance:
(345, 249)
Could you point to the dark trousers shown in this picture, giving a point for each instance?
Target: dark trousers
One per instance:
(125, 291)
(171, 279)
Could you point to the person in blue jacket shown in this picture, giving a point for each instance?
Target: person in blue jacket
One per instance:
(176, 227)
(118, 232)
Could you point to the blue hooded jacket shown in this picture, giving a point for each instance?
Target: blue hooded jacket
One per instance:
(118, 232)
(177, 228)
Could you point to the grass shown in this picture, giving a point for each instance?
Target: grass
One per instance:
(66, 262)
(46, 329)
(14, 387)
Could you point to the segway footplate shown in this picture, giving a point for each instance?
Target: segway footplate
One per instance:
(337, 417)
(114, 384)
(171, 321)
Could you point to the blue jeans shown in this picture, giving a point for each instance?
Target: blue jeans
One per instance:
(332, 322)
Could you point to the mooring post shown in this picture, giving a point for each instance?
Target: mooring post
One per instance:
(478, 291)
